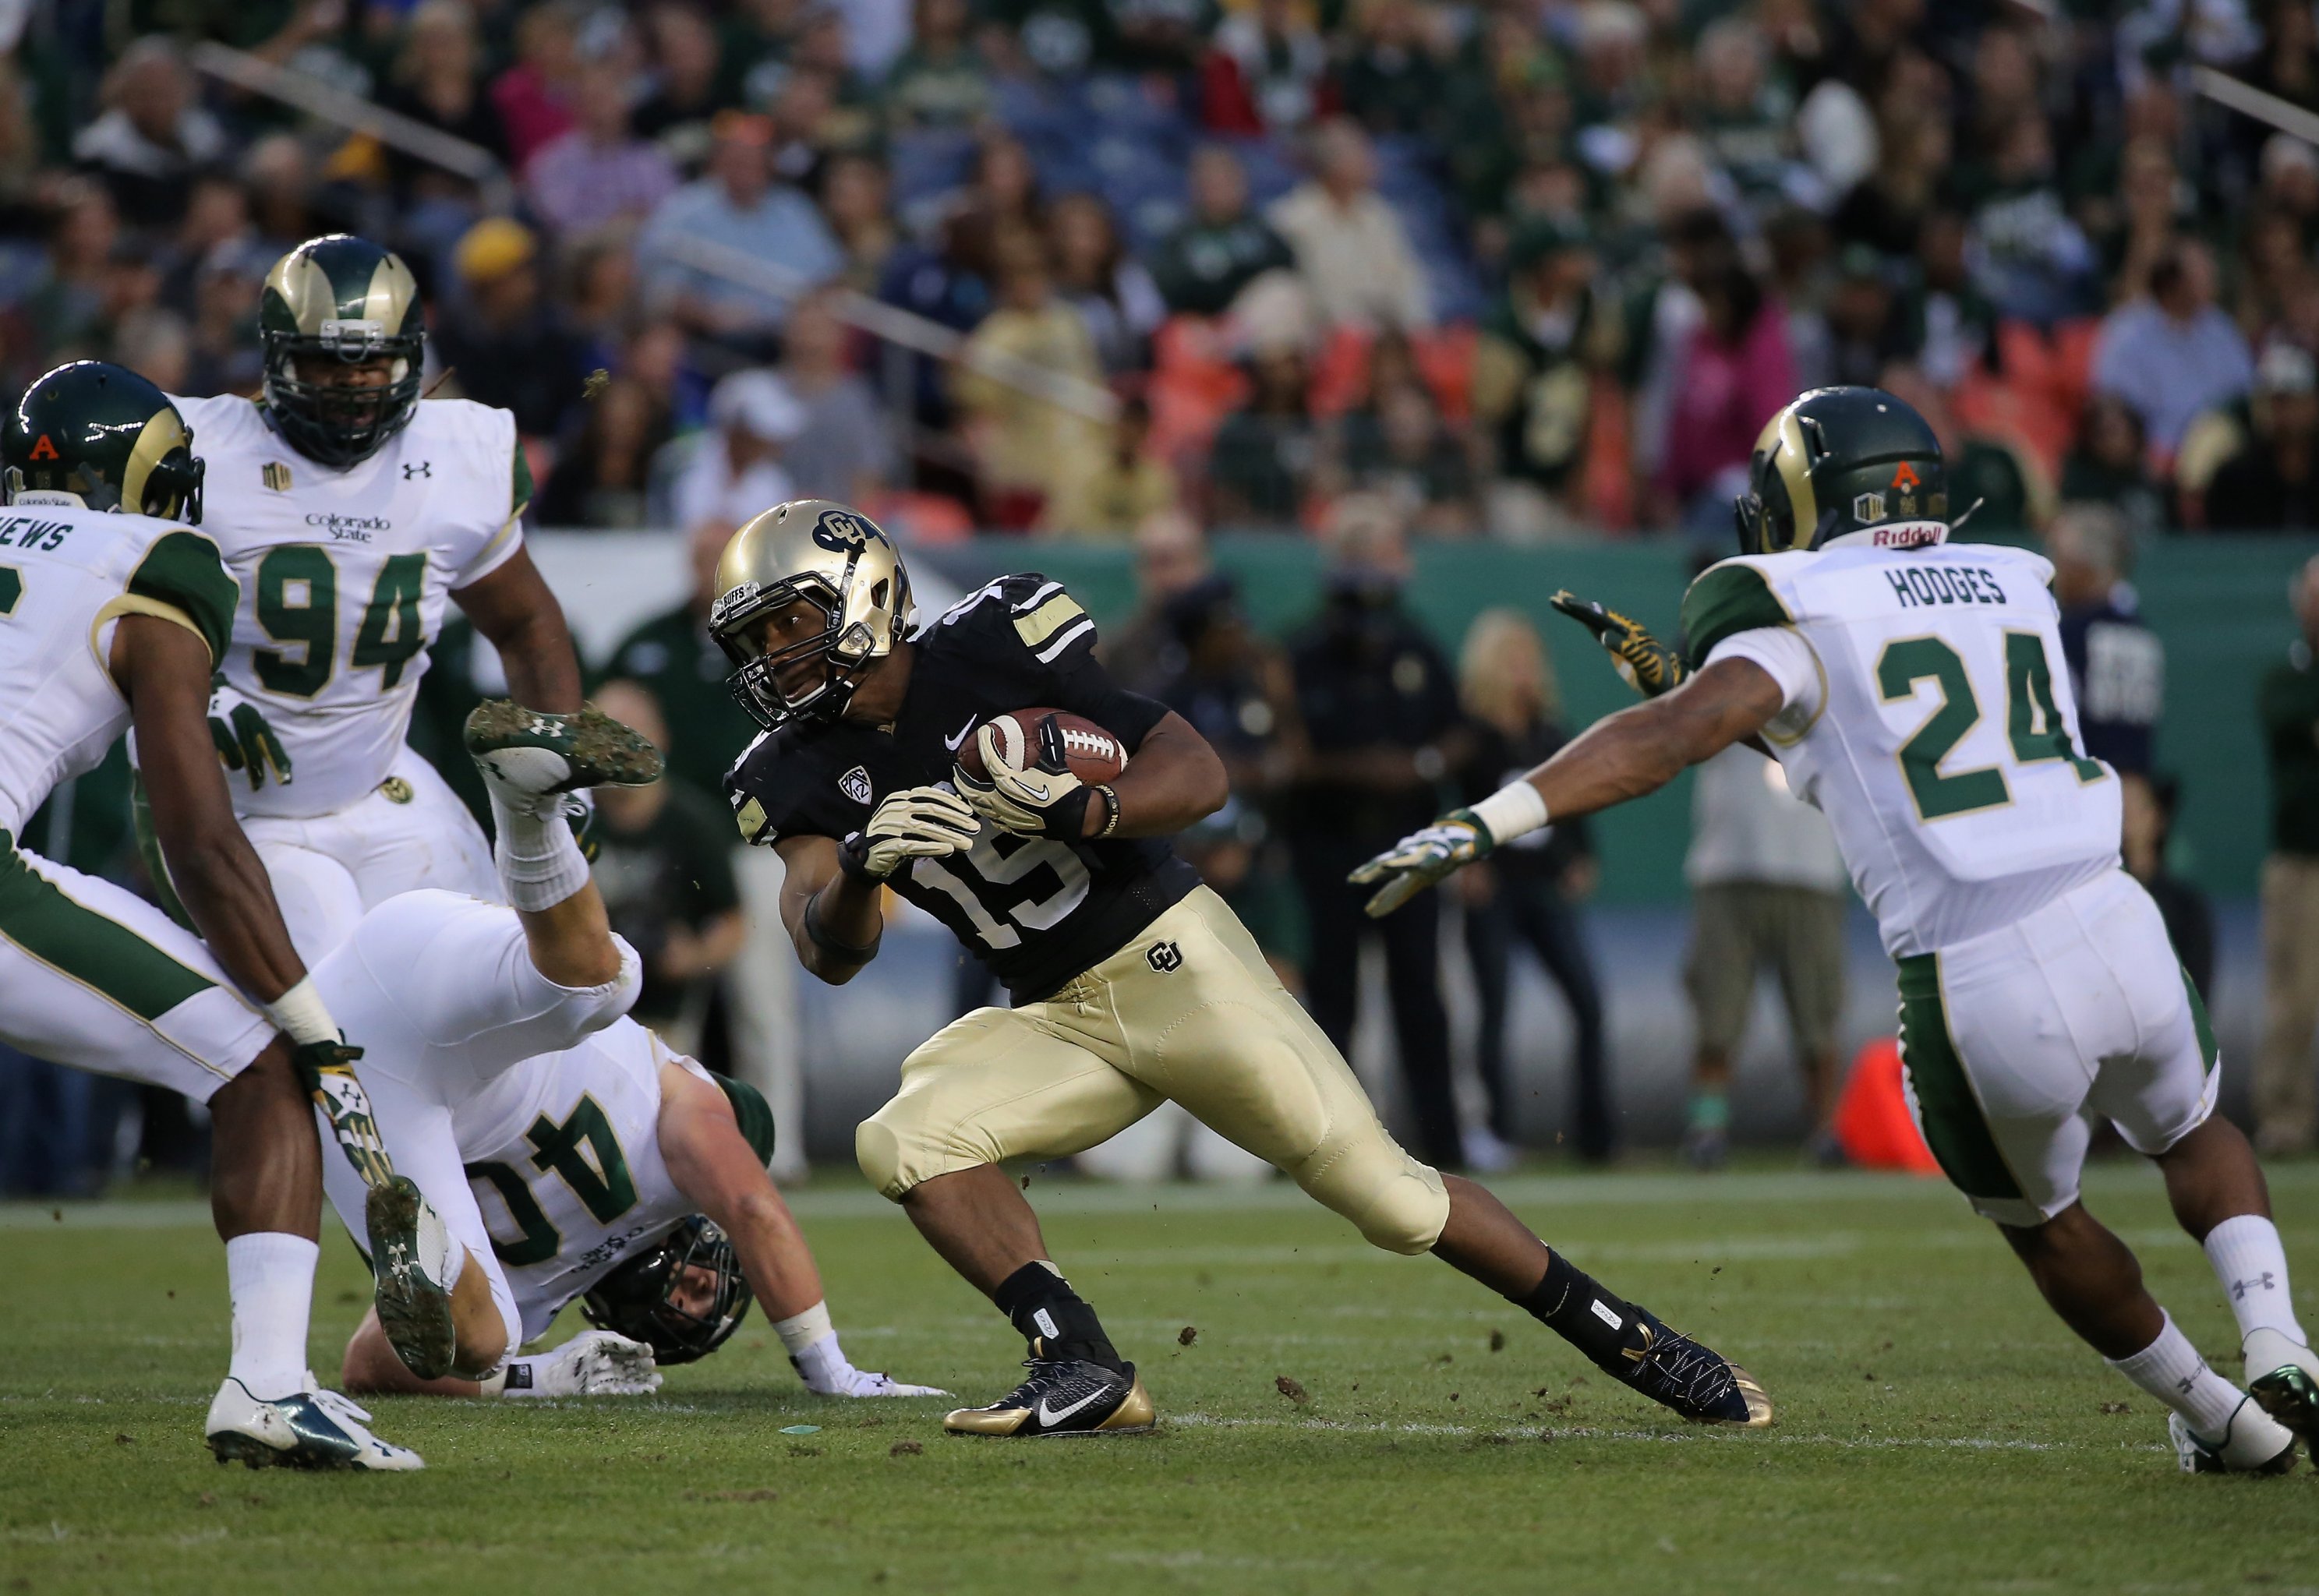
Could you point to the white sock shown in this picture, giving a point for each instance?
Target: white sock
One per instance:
(2251, 1262)
(271, 1277)
(539, 860)
(2170, 1369)
(811, 1342)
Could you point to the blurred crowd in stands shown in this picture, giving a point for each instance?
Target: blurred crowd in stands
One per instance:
(1531, 268)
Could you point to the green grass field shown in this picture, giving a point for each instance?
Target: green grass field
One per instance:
(1937, 1430)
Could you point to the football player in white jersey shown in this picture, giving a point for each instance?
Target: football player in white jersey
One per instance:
(507, 1080)
(350, 512)
(113, 612)
(1913, 689)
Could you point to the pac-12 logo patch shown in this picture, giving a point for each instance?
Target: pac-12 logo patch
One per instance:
(1165, 957)
(855, 784)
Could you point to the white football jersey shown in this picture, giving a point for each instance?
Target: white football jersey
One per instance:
(66, 575)
(528, 1113)
(1928, 716)
(562, 1153)
(344, 578)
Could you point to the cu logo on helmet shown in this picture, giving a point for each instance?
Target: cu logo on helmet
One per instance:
(841, 532)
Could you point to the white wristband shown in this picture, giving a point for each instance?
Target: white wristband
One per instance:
(301, 1014)
(1511, 811)
(801, 1330)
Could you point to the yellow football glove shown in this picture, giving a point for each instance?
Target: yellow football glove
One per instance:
(1647, 666)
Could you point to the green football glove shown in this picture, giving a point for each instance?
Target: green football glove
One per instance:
(244, 741)
(1648, 665)
(1422, 858)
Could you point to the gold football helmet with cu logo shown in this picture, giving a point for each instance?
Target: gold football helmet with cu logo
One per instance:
(808, 596)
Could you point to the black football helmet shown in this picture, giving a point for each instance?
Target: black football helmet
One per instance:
(344, 299)
(635, 1300)
(101, 437)
(1836, 461)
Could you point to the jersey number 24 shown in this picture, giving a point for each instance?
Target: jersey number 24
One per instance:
(2032, 722)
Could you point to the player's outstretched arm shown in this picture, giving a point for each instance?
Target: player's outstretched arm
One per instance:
(1622, 756)
(164, 670)
(717, 1171)
(516, 609)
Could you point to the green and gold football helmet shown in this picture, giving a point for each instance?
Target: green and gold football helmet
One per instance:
(344, 300)
(101, 437)
(835, 560)
(1839, 461)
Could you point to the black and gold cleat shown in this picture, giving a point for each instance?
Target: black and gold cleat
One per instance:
(1063, 1396)
(1692, 1379)
(532, 758)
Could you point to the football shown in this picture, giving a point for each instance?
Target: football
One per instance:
(1093, 754)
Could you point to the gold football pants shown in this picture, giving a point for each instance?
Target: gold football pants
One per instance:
(1188, 1012)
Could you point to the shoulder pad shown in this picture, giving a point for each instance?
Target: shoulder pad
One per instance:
(1734, 596)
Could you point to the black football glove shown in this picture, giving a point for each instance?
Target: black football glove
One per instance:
(1648, 665)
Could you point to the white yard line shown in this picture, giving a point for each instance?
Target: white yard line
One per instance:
(1657, 1438)
(1707, 1195)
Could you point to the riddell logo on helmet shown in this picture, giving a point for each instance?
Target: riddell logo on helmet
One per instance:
(1913, 535)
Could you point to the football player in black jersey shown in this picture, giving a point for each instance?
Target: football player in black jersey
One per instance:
(1132, 983)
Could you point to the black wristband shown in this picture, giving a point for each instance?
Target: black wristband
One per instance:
(853, 860)
(851, 953)
(1066, 817)
(1111, 811)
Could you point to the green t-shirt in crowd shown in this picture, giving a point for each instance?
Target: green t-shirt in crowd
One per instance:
(674, 657)
(2288, 707)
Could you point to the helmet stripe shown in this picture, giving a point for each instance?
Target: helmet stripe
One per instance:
(164, 430)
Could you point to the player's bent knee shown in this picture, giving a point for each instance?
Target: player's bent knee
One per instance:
(1407, 1216)
(918, 1136)
(879, 1152)
(1397, 1203)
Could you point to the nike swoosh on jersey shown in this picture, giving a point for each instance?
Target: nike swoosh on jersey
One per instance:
(964, 732)
(1050, 1417)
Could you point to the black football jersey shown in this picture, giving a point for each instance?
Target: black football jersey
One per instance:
(1038, 911)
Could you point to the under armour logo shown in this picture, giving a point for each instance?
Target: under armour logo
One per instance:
(1165, 957)
(2239, 1287)
(416, 469)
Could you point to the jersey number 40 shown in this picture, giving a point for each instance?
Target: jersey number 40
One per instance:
(604, 1187)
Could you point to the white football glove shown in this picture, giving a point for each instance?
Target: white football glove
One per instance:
(594, 1363)
(916, 822)
(853, 1382)
(1422, 858)
(1032, 802)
